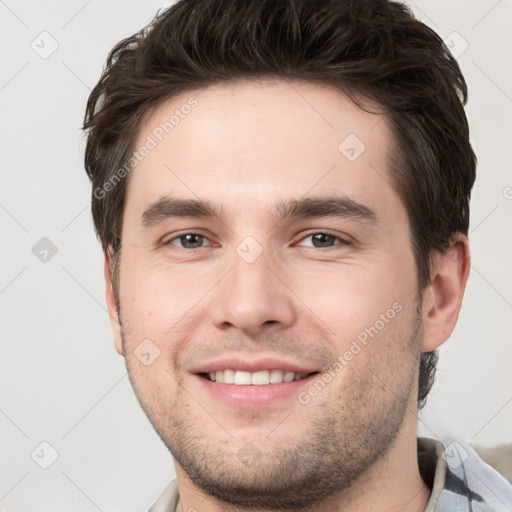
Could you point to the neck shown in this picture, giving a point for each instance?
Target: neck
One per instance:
(392, 483)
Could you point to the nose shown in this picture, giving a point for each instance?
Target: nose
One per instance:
(253, 298)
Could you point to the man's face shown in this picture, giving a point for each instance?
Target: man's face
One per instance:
(274, 284)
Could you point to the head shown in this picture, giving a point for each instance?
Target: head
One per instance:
(281, 183)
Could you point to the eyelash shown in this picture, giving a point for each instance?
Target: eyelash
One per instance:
(342, 241)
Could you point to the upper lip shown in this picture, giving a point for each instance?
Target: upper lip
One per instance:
(256, 365)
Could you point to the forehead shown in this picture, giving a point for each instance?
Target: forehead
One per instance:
(251, 143)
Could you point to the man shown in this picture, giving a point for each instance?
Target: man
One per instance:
(282, 191)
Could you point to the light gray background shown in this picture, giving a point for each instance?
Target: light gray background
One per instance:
(62, 381)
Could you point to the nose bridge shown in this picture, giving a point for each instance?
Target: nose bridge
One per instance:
(251, 296)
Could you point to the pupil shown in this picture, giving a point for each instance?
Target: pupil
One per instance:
(323, 239)
(192, 240)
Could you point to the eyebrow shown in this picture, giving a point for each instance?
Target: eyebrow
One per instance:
(345, 207)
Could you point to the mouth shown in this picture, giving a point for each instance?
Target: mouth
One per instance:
(259, 378)
(242, 389)
(238, 381)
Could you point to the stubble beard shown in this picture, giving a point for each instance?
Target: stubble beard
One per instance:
(351, 433)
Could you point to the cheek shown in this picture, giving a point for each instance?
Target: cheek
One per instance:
(152, 301)
(362, 308)
(357, 301)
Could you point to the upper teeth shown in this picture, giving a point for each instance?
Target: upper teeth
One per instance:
(261, 378)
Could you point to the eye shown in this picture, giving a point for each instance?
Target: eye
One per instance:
(188, 241)
(318, 240)
(323, 239)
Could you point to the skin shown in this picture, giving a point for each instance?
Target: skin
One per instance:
(247, 146)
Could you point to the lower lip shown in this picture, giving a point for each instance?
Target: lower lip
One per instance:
(253, 396)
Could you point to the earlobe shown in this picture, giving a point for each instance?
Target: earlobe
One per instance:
(442, 299)
(112, 306)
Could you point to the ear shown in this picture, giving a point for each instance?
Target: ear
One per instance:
(442, 298)
(112, 306)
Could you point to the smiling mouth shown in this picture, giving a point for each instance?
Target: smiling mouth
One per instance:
(259, 378)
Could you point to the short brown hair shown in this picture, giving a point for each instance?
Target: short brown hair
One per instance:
(370, 49)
